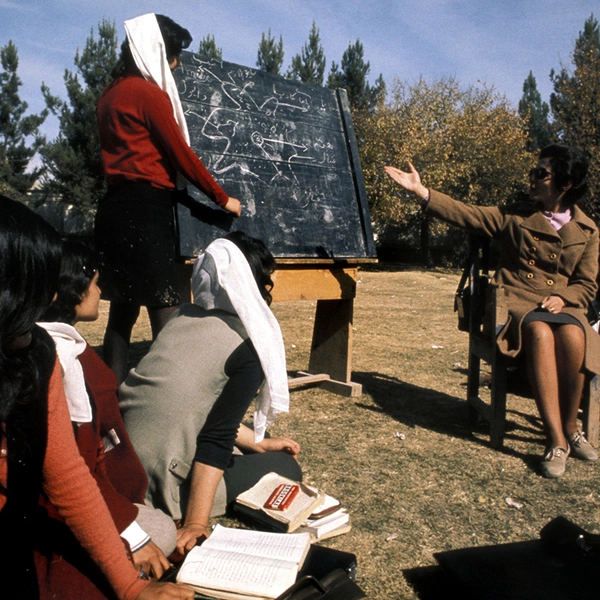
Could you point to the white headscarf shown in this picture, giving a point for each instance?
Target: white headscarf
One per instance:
(148, 50)
(222, 278)
(69, 345)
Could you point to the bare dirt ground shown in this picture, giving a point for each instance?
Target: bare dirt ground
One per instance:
(401, 457)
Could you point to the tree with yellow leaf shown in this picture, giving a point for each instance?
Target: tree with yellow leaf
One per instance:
(466, 142)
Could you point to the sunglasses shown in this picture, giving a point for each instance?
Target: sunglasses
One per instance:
(539, 173)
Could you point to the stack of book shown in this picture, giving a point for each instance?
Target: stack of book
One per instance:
(285, 505)
(329, 520)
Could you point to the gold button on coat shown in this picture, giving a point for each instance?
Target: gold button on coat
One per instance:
(550, 282)
(529, 275)
(553, 256)
(532, 262)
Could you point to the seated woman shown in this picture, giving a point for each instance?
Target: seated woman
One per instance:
(91, 391)
(37, 447)
(184, 402)
(548, 266)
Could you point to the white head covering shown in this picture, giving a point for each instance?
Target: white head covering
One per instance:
(69, 345)
(222, 278)
(148, 50)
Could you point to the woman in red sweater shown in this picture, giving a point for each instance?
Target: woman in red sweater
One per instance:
(146, 155)
(37, 447)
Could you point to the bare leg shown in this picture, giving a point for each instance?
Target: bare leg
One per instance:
(121, 319)
(539, 344)
(159, 317)
(570, 353)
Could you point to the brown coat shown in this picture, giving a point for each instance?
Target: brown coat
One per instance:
(535, 261)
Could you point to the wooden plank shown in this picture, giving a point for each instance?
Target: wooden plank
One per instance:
(307, 379)
(331, 349)
(314, 284)
(350, 389)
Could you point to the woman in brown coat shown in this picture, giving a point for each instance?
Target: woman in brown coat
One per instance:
(548, 265)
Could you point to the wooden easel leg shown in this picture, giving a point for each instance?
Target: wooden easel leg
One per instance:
(331, 350)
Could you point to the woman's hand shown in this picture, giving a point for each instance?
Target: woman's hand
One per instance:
(553, 304)
(188, 535)
(166, 591)
(409, 181)
(151, 560)
(233, 206)
(280, 444)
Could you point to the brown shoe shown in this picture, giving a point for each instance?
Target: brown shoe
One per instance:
(554, 463)
(581, 448)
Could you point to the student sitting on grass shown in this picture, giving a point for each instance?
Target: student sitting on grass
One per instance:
(184, 402)
(37, 447)
(91, 390)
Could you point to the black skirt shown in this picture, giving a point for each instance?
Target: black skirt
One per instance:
(135, 237)
(547, 317)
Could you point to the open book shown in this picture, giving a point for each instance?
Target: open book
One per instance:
(303, 501)
(238, 564)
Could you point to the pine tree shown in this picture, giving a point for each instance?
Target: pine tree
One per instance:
(309, 65)
(575, 106)
(270, 54)
(73, 158)
(353, 78)
(208, 47)
(16, 130)
(535, 113)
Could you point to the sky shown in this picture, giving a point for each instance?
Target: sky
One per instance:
(492, 42)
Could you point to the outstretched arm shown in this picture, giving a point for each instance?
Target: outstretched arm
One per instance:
(410, 181)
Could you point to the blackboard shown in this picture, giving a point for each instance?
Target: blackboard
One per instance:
(286, 150)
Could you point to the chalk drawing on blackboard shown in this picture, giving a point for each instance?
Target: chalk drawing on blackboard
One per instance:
(279, 146)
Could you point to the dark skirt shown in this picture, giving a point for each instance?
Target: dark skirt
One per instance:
(135, 237)
(547, 317)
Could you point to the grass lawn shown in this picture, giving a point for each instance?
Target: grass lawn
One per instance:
(401, 457)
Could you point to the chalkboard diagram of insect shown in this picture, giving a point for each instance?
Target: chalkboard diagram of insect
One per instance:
(286, 150)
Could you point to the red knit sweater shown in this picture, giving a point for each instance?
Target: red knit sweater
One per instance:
(70, 487)
(141, 141)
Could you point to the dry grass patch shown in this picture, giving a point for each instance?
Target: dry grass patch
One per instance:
(440, 487)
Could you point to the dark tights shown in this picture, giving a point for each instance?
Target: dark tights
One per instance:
(121, 319)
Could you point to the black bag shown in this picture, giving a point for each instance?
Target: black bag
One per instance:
(462, 299)
(335, 586)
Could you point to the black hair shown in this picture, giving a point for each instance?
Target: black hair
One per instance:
(175, 37)
(78, 267)
(259, 258)
(30, 256)
(569, 165)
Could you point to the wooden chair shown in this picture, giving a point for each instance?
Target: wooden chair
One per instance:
(482, 317)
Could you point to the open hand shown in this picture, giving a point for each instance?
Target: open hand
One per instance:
(280, 444)
(151, 560)
(166, 591)
(410, 181)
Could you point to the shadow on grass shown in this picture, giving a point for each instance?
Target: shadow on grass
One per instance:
(416, 406)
